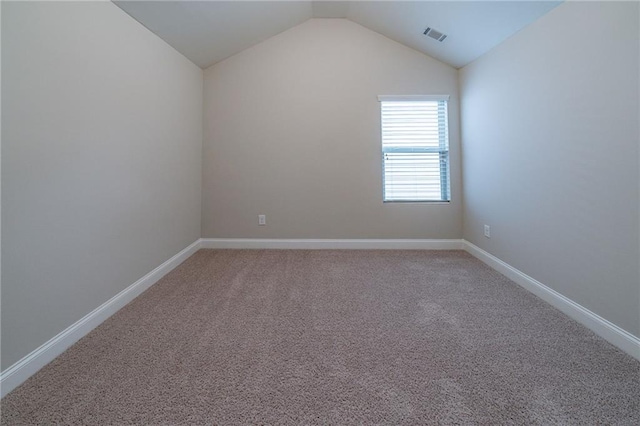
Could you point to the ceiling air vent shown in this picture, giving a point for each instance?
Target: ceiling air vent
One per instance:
(434, 34)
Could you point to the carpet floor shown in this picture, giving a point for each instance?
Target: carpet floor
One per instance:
(334, 337)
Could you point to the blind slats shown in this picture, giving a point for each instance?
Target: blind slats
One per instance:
(415, 146)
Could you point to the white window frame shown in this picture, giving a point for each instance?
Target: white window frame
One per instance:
(442, 150)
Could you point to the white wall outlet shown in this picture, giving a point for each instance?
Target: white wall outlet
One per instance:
(487, 231)
(262, 219)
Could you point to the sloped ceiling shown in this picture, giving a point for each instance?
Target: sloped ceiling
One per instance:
(207, 32)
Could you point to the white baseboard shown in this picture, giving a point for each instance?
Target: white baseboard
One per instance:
(314, 244)
(605, 329)
(30, 364)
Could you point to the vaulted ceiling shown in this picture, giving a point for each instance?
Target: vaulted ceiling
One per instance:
(207, 32)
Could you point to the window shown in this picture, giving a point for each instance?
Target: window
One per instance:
(415, 148)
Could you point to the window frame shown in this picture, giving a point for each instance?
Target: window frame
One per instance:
(443, 150)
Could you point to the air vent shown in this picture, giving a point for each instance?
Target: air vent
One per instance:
(434, 34)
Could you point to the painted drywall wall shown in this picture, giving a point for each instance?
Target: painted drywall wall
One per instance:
(0, 178)
(292, 131)
(101, 164)
(550, 155)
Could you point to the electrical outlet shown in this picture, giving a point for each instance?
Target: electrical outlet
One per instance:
(262, 219)
(487, 231)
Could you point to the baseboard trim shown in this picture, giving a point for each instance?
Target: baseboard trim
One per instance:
(602, 327)
(30, 364)
(13, 376)
(337, 244)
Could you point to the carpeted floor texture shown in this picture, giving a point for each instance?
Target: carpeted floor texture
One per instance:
(334, 337)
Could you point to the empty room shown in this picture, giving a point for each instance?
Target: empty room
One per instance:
(320, 212)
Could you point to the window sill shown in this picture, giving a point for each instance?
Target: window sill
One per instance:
(446, 203)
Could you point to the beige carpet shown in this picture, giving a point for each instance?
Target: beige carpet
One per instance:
(334, 337)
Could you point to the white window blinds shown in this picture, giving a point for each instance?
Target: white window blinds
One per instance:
(415, 148)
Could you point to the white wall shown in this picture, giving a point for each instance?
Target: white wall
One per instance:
(550, 138)
(101, 164)
(292, 130)
(0, 179)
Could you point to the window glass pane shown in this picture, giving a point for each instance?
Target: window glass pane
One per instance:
(415, 150)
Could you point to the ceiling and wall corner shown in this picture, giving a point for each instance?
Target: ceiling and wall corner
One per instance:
(210, 31)
(207, 32)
